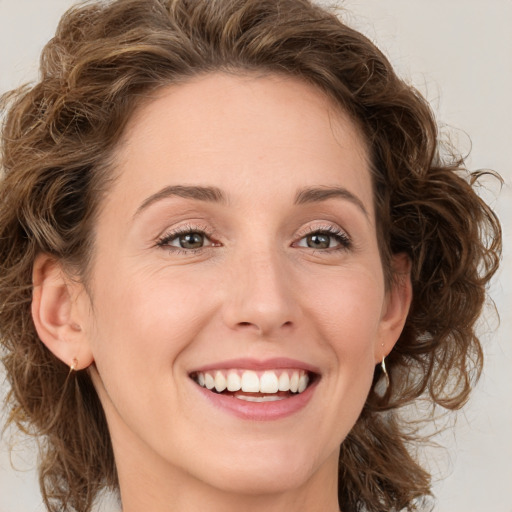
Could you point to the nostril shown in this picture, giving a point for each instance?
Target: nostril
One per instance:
(246, 325)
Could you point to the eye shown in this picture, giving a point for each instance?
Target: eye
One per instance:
(330, 238)
(189, 239)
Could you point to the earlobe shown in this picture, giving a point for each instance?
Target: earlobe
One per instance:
(55, 315)
(398, 302)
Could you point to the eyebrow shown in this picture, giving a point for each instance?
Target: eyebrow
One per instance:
(318, 194)
(215, 195)
(208, 194)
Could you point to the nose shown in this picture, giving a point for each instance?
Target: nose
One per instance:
(259, 295)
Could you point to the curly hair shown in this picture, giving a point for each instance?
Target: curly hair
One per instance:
(58, 138)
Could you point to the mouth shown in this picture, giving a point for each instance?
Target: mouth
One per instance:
(270, 385)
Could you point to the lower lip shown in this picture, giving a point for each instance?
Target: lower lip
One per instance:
(260, 411)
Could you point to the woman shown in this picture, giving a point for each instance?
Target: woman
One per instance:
(232, 252)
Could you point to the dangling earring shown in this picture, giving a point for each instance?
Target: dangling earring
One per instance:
(384, 371)
(382, 385)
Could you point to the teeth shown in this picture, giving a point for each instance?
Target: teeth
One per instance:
(303, 383)
(220, 382)
(267, 398)
(208, 381)
(234, 381)
(284, 382)
(294, 382)
(248, 381)
(269, 383)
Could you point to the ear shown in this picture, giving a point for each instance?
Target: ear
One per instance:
(57, 314)
(396, 306)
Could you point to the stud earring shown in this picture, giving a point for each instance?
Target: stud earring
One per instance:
(74, 365)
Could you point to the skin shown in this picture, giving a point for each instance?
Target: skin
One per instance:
(154, 311)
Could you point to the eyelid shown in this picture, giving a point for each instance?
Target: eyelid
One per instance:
(344, 240)
(325, 226)
(174, 233)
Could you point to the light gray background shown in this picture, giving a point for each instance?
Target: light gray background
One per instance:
(459, 54)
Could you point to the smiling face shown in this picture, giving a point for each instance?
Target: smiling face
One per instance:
(237, 250)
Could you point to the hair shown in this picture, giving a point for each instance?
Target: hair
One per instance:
(58, 138)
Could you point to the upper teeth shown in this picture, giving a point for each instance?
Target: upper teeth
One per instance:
(269, 381)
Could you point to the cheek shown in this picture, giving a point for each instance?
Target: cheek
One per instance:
(152, 322)
(143, 322)
(140, 300)
(348, 308)
(347, 314)
(139, 331)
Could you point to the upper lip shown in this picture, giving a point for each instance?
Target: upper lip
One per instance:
(258, 364)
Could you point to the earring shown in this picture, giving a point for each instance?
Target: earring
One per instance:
(73, 365)
(382, 385)
(384, 370)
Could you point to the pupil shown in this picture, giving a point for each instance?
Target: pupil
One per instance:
(191, 241)
(318, 241)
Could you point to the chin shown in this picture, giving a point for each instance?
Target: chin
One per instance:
(267, 471)
(273, 480)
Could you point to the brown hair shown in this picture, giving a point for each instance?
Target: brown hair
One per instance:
(58, 136)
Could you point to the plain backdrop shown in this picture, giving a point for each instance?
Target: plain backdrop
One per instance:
(458, 53)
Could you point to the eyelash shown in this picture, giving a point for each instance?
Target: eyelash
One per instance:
(171, 236)
(341, 237)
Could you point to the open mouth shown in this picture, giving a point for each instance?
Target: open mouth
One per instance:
(256, 386)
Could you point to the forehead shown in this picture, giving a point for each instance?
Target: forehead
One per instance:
(228, 130)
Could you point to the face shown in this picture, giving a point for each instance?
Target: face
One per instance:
(237, 249)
